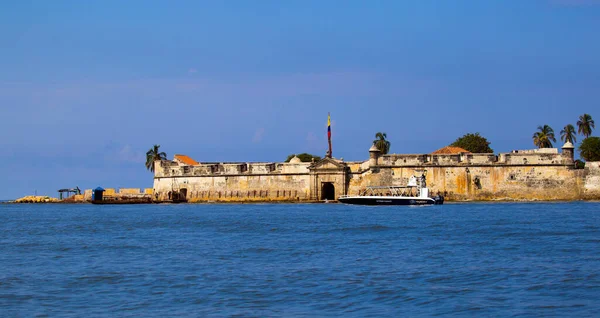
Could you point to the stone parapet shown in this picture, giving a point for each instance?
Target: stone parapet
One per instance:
(173, 169)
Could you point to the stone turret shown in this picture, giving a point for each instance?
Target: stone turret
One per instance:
(295, 160)
(568, 152)
(374, 153)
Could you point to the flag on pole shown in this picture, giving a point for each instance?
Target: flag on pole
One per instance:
(328, 126)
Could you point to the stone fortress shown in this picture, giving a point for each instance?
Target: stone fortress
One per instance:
(538, 174)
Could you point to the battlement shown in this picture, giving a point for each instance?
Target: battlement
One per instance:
(168, 168)
(484, 159)
(181, 168)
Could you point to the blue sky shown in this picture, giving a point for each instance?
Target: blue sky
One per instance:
(87, 87)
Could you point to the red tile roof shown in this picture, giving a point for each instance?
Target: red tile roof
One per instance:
(186, 160)
(449, 150)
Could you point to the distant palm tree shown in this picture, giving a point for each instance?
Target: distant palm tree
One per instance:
(585, 125)
(568, 134)
(544, 137)
(153, 155)
(382, 144)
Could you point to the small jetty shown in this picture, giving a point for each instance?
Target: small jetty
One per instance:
(98, 195)
(36, 199)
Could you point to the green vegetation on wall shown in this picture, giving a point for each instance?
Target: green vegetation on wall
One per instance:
(304, 157)
(579, 164)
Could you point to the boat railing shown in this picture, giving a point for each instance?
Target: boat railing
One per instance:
(416, 187)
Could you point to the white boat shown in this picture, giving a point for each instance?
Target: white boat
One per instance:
(414, 193)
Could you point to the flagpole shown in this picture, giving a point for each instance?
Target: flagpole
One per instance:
(329, 134)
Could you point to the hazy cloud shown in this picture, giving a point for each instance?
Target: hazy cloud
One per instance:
(575, 2)
(127, 154)
(311, 138)
(192, 71)
(258, 135)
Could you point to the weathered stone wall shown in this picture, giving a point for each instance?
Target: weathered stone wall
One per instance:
(130, 191)
(591, 187)
(484, 182)
(235, 188)
(232, 182)
(87, 193)
(546, 175)
(523, 158)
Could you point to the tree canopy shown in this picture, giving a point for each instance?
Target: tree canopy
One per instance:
(474, 143)
(585, 125)
(544, 137)
(589, 149)
(381, 143)
(304, 157)
(154, 155)
(568, 134)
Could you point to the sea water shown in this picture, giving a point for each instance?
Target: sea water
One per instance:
(531, 259)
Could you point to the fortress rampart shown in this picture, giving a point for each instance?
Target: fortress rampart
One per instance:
(540, 174)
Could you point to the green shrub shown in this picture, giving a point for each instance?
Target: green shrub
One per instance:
(589, 149)
(304, 157)
(473, 143)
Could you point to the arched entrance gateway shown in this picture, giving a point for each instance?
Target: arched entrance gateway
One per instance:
(328, 179)
(178, 196)
(327, 191)
(183, 194)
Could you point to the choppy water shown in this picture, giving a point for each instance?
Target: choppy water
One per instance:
(300, 260)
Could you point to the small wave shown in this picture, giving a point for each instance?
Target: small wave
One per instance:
(109, 278)
(592, 241)
(124, 247)
(535, 287)
(555, 233)
(555, 306)
(258, 250)
(27, 244)
(14, 297)
(10, 281)
(369, 242)
(375, 227)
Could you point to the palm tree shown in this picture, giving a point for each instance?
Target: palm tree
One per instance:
(382, 144)
(585, 125)
(568, 134)
(153, 155)
(544, 137)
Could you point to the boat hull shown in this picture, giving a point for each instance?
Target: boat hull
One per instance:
(373, 200)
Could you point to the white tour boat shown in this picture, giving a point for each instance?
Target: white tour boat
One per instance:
(414, 193)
